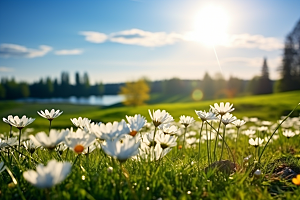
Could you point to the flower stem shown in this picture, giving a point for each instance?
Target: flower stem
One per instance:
(236, 141)
(20, 131)
(12, 177)
(154, 134)
(75, 160)
(10, 135)
(50, 125)
(184, 138)
(207, 145)
(199, 146)
(275, 132)
(87, 158)
(223, 141)
(217, 135)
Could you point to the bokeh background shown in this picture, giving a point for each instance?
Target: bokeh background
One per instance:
(200, 49)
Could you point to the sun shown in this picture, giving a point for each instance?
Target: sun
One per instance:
(210, 26)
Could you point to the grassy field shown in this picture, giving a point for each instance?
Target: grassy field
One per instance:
(266, 107)
(183, 173)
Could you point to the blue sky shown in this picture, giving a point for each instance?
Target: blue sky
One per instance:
(122, 40)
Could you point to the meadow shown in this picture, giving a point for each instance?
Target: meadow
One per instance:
(197, 167)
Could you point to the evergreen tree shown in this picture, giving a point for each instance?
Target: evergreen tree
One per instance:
(86, 84)
(2, 92)
(24, 90)
(264, 85)
(65, 87)
(78, 82)
(290, 69)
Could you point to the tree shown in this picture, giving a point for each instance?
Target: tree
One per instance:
(86, 85)
(220, 86)
(136, 93)
(24, 90)
(234, 87)
(264, 85)
(2, 91)
(174, 86)
(290, 68)
(207, 87)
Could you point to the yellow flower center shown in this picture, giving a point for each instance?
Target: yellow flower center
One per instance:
(79, 148)
(133, 133)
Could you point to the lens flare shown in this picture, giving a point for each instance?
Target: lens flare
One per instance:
(197, 95)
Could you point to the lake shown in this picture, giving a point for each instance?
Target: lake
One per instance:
(105, 100)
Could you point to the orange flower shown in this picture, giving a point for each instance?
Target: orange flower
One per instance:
(296, 180)
(179, 147)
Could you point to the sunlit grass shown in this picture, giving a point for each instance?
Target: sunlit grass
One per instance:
(267, 107)
(181, 174)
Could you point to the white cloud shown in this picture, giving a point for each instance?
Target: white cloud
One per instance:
(14, 50)
(145, 38)
(134, 37)
(6, 69)
(69, 52)
(254, 42)
(157, 39)
(94, 37)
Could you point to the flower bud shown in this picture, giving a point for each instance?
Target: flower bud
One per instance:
(257, 173)
(110, 170)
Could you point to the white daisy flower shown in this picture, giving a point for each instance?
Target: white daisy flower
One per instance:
(47, 176)
(262, 128)
(110, 131)
(222, 109)
(257, 142)
(29, 146)
(50, 142)
(288, 133)
(165, 140)
(50, 115)
(136, 123)
(249, 132)
(238, 123)
(206, 116)
(153, 153)
(17, 122)
(186, 120)
(79, 141)
(168, 129)
(228, 118)
(160, 117)
(13, 141)
(81, 122)
(121, 149)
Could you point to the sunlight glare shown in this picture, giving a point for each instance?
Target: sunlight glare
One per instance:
(210, 25)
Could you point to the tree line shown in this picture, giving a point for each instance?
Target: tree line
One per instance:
(48, 88)
(211, 87)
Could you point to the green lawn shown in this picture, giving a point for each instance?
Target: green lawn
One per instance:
(266, 107)
(181, 174)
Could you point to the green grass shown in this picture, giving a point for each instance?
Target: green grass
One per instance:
(266, 107)
(177, 175)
